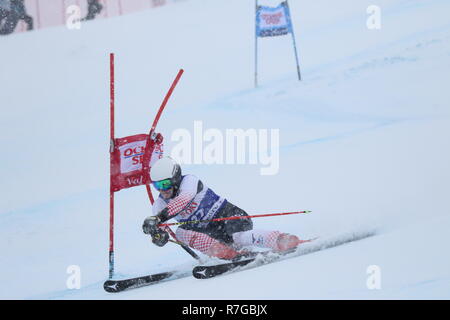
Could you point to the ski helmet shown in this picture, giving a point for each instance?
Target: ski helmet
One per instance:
(165, 174)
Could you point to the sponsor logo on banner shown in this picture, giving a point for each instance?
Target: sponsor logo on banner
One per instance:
(271, 22)
(135, 181)
(127, 162)
(273, 19)
(157, 153)
(131, 156)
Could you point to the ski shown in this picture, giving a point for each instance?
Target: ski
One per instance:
(210, 271)
(250, 261)
(206, 272)
(138, 282)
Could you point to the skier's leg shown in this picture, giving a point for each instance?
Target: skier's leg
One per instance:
(3, 14)
(223, 230)
(29, 21)
(98, 7)
(9, 23)
(91, 10)
(237, 225)
(205, 244)
(274, 240)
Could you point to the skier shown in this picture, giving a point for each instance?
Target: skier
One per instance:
(12, 11)
(186, 198)
(5, 7)
(94, 8)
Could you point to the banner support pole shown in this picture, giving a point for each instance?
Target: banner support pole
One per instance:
(256, 45)
(293, 41)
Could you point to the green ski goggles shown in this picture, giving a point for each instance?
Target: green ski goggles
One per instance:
(165, 184)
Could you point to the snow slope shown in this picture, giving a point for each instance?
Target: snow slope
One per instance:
(364, 144)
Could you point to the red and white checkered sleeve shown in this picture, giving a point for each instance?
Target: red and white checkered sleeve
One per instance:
(158, 206)
(187, 192)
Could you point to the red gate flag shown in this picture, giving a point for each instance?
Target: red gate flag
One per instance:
(128, 158)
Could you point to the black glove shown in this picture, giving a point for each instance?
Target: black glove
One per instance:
(159, 236)
(150, 225)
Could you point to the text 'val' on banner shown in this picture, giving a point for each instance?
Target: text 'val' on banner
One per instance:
(273, 22)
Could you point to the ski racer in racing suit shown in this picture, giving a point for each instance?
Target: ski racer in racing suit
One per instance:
(187, 199)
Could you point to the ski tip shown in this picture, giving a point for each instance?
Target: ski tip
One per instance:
(307, 240)
(200, 272)
(110, 286)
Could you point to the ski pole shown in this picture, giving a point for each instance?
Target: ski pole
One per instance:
(233, 218)
(185, 247)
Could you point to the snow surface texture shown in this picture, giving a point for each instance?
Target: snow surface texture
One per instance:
(364, 145)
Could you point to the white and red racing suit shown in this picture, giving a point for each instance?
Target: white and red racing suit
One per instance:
(194, 201)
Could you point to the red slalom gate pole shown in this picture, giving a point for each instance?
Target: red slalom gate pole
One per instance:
(146, 158)
(166, 98)
(111, 193)
(234, 218)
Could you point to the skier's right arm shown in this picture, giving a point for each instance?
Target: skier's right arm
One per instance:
(159, 236)
(150, 226)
